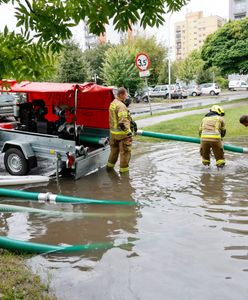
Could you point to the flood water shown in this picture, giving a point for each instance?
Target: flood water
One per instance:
(185, 239)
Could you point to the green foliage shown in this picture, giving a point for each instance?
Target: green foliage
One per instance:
(72, 66)
(95, 57)
(119, 68)
(227, 48)
(222, 82)
(51, 20)
(22, 59)
(188, 69)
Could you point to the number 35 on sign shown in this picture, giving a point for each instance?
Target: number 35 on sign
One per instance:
(142, 61)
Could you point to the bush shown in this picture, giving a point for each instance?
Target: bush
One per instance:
(222, 82)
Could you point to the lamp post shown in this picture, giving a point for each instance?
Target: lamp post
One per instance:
(94, 77)
(169, 75)
(169, 58)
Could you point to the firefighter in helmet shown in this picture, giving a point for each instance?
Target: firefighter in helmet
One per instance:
(212, 130)
(120, 132)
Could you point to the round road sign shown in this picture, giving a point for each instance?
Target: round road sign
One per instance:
(142, 61)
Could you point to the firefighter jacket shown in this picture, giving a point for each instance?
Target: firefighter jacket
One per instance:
(119, 120)
(212, 128)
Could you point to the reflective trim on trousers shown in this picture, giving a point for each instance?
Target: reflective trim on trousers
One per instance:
(210, 136)
(123, 170)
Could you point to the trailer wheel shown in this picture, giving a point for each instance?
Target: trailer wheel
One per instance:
(15, 162)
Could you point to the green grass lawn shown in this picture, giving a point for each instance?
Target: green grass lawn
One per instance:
(18, 282)
(189, 125)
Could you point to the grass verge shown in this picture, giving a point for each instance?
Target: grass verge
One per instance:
(17, 281)
(187, 109)
(189, 125)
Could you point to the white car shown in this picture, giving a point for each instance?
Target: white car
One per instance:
(194, 90)
(160, 91)
(210, 88)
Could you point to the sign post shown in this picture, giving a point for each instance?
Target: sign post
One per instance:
(143, 63)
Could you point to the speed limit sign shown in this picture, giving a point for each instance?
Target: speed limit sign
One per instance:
(142, 61)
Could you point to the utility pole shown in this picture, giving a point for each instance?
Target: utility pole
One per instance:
(169, 58)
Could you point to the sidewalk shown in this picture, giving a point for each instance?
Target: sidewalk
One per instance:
(158, 119)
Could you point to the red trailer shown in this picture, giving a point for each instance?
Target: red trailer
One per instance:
(63, 120)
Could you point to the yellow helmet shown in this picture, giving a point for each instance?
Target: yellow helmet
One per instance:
(218, 109)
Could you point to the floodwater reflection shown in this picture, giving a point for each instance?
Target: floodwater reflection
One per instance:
(186, 238)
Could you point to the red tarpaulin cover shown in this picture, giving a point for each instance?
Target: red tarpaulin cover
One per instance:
(92, 100)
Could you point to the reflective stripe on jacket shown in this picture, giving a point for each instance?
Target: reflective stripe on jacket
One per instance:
(212, 128)
(119, 114)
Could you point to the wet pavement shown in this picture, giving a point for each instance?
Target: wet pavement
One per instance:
(185, 239)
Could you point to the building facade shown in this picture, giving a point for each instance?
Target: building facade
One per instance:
(238, 9)
(191, 33)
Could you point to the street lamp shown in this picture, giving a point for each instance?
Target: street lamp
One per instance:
(94, 77)
(169, 57)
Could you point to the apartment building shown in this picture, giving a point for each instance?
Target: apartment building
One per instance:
(191, 33)
(238, 9)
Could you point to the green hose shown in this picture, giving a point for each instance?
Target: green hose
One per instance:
(57, 198)
(94, 140)
(189, 139)
(30, 247)
(13, 208)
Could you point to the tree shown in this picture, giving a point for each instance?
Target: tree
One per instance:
(95, 57)
(189, 68)
(119, 68)
(51, 20)
(22, 59)
(227, 48)
(72, 66)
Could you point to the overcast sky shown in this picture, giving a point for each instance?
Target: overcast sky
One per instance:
(209, 7)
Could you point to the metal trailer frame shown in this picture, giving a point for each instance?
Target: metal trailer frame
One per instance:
(37, 145)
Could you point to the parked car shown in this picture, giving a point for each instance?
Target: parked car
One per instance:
(142, 94)
(194, 90)
(237, 85)
(178, 92)
(210, 88)
(160, 91)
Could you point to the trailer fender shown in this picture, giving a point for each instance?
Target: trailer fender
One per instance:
(26, 150)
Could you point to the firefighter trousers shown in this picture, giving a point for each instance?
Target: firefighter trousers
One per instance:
(218, 151)
(123, 148)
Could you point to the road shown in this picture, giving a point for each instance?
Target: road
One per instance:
(168, 105)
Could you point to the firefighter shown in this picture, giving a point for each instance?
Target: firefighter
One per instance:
(212, 130)
(120, 132)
